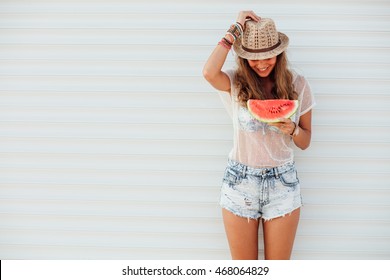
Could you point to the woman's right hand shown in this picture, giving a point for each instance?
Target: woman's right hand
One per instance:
(212, 70)
(243, 16)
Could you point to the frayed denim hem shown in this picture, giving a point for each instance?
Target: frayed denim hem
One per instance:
(267, 219)
(240, 214)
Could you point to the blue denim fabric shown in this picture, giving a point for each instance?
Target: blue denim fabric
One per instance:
(260, 192)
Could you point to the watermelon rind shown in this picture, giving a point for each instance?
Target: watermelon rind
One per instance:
(272, 110)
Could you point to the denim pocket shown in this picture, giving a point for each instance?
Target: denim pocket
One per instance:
(232, 177)
(290, 178)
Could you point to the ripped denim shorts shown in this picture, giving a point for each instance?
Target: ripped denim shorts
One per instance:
(265, 193)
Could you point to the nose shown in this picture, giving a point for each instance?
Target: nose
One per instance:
(260, 63)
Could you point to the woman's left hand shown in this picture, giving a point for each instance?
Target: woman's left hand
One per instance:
(286, 126)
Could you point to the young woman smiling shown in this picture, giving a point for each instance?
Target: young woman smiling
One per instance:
(260, 185)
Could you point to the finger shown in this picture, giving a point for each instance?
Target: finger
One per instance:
(250, 15)
(275, 124)
(247, 15)
(284, 120)
(281, 126)
(254, 16)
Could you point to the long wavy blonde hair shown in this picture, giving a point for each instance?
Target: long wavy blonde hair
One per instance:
(250, 86)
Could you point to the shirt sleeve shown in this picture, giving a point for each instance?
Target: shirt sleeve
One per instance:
(226, 98)
(306, 96)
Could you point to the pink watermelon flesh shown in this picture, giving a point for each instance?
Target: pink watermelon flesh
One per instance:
(272, 110)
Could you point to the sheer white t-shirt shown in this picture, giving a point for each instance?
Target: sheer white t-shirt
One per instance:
(256, 144)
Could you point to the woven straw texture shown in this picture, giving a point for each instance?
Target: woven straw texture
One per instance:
(260, 40)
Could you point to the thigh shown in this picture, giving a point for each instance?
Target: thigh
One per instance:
(279, 235)
(242, 234)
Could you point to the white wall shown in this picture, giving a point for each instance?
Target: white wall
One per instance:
(112, 145)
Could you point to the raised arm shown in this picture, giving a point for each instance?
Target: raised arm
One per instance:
(212, 70)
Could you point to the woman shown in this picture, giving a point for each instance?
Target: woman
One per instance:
(260, 182)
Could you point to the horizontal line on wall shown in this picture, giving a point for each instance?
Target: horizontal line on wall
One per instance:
(147, 188)
(149, 252)
(135, 44)
(146, 140)
(180, 195)
(173, 29)
(68, 61)
(168, 219)
(121, 101)
(351, 79)
(194, 46)
(126, 172)
(275, 14)
(172, 233)
(45, 251)
(296, 64)
(302, 156)
(183, 93)
(166, 203)
(125, 35)
(170, 124)
(9, 109)
(55, 138)
(200, 6)
(118, 156)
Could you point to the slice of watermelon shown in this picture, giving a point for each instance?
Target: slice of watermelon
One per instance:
(272, 110)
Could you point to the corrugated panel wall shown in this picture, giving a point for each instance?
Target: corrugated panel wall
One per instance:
(112, 146)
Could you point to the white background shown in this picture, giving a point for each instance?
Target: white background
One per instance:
(112, 145)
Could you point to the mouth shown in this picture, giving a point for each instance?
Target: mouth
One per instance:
(263, 69)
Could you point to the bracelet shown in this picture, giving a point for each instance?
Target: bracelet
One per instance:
(231, 36)
(240, 26)
(295, 131)
(235, 30)
(295, 126)
(225, 43)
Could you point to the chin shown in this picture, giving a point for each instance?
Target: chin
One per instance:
(263, 74)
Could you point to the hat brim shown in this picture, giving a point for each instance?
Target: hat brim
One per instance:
(261, 55)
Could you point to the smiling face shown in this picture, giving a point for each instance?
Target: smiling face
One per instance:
(263, 67)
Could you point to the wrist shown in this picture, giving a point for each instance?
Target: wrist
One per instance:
(235, 31)
(225, 43)
(229, 37)
(295, 130)
(240, 26)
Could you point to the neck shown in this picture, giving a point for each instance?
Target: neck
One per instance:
(268, 85)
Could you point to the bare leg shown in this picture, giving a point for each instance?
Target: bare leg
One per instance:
(279, 235)
(242, 236)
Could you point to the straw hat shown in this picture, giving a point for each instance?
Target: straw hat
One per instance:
(260, 40)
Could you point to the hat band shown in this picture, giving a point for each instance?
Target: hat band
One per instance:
(261, 50)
